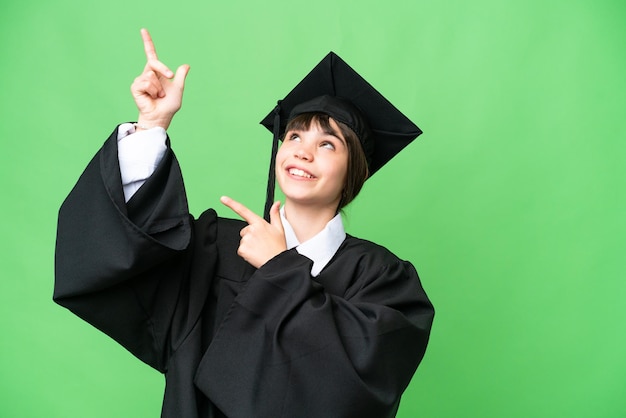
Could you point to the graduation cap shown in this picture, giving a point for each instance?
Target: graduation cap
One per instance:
(335, 89)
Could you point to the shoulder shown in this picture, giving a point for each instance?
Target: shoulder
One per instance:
(209, 224)
(219, 237)
(363, 270)
(363, 249)
(364, 261)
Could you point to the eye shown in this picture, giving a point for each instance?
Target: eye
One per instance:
(327, 145)
(294, 137)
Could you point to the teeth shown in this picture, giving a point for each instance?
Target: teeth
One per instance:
(299, 173)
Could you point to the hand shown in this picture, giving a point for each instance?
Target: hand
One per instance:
(158, 93)
(260, 241)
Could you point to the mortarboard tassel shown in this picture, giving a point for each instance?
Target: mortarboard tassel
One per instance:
(271, 177)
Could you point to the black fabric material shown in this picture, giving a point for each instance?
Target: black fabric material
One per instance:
(231, 340)
(271, 176)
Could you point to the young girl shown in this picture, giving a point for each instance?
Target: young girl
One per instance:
(289, 317)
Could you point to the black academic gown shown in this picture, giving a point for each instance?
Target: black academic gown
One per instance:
(233, 340)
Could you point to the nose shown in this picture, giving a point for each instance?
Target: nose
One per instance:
(302, 153)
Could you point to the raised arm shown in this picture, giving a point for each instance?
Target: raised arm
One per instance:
(121, 265)
(157, 91)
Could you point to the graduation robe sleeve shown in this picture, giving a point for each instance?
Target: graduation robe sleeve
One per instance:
(122, 267)
(273, 342)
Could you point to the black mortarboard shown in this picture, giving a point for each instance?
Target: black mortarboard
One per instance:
(334, 88)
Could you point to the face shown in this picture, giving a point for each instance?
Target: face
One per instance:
(311, 166)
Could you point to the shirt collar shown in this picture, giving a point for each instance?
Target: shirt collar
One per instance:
(322, 247)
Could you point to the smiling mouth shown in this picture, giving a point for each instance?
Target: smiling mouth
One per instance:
(300, 173)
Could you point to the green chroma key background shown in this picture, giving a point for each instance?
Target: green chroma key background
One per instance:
(511, 205)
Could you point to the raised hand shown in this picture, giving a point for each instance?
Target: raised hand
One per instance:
(260, 240)
(157, 91)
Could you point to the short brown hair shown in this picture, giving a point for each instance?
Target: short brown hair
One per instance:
(357, 171)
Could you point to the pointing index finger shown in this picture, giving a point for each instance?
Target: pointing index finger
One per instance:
(241, 210)
(148, 45)
(151, 55)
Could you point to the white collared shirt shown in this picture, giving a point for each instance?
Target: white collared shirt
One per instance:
(140, 155)
(322, 247)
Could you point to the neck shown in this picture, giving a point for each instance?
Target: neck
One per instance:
(307, 221)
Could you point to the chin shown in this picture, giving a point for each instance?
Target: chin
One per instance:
(311, 202)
